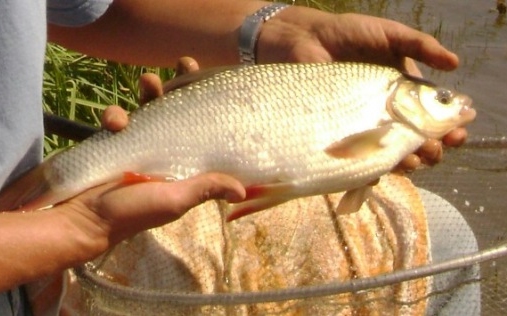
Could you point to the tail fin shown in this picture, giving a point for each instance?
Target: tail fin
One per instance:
(26, 189)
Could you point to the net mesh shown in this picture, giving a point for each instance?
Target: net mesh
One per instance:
(433, 244)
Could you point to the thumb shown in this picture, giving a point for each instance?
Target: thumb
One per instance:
(157, 203)
(191, 192)
(127, 210)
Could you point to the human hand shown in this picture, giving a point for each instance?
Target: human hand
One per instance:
(112, 212)
(299, 34)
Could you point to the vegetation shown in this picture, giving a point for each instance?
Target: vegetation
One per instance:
(79, 88)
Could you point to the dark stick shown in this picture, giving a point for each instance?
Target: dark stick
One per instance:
(57, 125)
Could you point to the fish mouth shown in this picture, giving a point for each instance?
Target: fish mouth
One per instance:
(467, 112)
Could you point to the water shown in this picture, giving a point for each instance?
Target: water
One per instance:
(469, 28)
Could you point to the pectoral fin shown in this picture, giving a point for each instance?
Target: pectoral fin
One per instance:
(261, 197)
(352, 200)
(359, 145)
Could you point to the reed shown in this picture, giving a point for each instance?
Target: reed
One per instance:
(79, 88)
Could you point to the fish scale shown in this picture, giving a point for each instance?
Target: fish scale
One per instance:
(270, 126)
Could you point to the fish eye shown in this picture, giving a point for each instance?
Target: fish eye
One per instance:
(444, 96)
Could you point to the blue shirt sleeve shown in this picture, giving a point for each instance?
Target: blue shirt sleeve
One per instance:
(75, 12)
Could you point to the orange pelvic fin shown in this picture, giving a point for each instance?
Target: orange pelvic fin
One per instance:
(261, 197)
(130, 177)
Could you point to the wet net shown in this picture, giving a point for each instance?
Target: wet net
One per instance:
(433, 244)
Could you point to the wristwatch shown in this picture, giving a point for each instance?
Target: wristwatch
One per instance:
(249, 31)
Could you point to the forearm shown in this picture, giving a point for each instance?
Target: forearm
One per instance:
(41, 243)
(158, 32)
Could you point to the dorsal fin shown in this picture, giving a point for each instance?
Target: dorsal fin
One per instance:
(188, 78)
(417, 79)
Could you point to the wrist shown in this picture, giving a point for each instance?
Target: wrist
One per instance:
(86, 233)
(41, 243)
(250, 29)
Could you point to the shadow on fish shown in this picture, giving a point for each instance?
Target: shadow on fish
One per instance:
(284, 130)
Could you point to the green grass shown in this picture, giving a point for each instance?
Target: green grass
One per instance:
(80, 88)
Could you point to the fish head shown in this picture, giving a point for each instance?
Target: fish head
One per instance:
(431, 110)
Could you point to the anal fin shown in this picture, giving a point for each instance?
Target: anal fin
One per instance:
(352, 200)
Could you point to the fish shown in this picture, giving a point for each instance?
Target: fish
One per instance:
(283, 130)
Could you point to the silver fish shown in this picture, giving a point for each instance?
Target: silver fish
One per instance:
(283, 130)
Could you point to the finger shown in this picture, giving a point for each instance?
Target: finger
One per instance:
(420, 46)
(196, 190)
(168, 198)
(150, 87)
(431, 152)
(186, 65)
(456, 137)
(114, 118)
(409, 163)
(125, 210)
